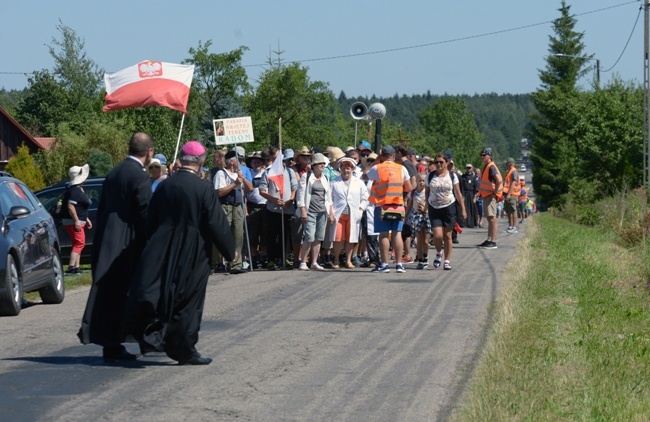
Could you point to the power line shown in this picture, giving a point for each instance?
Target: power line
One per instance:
(627, 43)
(487, 34)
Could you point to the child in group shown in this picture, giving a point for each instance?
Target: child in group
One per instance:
(418, 219)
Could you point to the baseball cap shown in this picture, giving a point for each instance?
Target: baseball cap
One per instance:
(387, 150)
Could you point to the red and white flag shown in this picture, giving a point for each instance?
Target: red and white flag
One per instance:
(276, 173)
(149, 83)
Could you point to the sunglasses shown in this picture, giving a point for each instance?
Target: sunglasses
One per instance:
(483, 155)
(438, 163)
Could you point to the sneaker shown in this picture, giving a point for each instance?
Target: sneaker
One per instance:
(303, 266)
(399, 268)
(270, 265)
(489, 245)
(315, 266)
(510, 230)
(484, 244)
(356, 261)
(407, 259)
(447, 265)
(383, 268)
(423, 264)
(71, 271)
(437, 260)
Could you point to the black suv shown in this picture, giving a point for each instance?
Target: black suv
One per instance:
(29, 248)
(49, 196)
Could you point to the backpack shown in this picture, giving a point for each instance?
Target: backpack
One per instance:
(57, 210)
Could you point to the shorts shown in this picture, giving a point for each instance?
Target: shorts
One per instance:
(510, 205)
(78, 238)
(343, 229)
(315, 227)
(443, 217)
(490, 206)
(382, 226)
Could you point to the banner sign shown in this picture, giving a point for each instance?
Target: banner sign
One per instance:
(238, 130)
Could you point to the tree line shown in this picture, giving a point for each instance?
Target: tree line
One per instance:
(65, 103)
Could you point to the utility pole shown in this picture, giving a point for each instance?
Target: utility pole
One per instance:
(646, 97)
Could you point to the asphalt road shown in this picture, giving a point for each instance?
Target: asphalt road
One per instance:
(344, 345)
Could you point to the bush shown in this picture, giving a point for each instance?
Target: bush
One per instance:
(22, 167)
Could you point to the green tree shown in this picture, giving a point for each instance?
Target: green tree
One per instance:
(554, 153)
(22, 167)
(219, 82)
(451, 126)
(608, 136)
(308, 109)
(70, 93)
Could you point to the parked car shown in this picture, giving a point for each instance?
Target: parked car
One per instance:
(29, 248)
(49, 197)
(522, 168)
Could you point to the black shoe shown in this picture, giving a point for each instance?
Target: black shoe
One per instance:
(484, 244)
(118, 355)
(455, 241)
(238, 271)
(195, 360)
(488, 245)
(72, 271)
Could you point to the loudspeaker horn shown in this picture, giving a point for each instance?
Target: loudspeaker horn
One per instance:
(377, 111)
(358, 110)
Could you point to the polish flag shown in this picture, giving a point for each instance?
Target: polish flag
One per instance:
(276, 173)
(149, 83)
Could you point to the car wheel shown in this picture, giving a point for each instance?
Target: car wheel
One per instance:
(11, 301)
(55, 291)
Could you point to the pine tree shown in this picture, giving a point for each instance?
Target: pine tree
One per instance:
(553, 150)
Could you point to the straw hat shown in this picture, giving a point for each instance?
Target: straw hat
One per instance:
(372, 156)
(335, 153)
(304, 151)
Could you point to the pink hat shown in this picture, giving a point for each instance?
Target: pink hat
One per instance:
(193, 149)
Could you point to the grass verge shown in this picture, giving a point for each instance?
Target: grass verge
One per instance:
(570, 337)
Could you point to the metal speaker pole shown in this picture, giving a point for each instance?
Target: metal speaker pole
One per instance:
(377, 111)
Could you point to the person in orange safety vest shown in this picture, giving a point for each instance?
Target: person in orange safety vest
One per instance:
(389, 182)
(490, 189)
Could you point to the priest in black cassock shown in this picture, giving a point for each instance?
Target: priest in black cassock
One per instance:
(168, 291)
(119, 240)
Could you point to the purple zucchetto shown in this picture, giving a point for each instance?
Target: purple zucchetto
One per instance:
(193, 149)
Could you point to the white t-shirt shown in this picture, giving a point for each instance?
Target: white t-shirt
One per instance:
(441, 191)
(221, 181)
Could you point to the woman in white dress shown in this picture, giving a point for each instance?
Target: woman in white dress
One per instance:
(350, 199)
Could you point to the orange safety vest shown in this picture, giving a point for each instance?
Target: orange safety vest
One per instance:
(486, 187)
(390, 187)
(508, 182)
(523, 197)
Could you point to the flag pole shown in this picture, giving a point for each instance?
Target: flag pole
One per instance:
(284, 246)
(178, 142)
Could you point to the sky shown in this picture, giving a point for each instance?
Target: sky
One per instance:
(362, 48)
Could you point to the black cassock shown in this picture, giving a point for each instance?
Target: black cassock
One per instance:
(469, 187)
(119, 240)
(168, 289)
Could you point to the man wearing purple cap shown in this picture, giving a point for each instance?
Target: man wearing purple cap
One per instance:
(119, 239)
(166, 300)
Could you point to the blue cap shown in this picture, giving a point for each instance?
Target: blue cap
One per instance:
(162, 158)
(364, 145)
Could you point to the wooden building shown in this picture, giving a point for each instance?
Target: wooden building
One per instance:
(12, 135)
